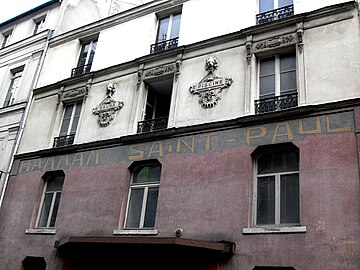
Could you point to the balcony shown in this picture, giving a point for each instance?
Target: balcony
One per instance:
(64, 140)
(275, 14)
(80, 70)
(152, 124)
(278, 103)
(164, 45)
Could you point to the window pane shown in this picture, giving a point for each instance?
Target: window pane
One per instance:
(289, 197)
(283, 3)
(134, 210)
(163, 28)
(266, 200)
(76, 118)
(175, 27)
(83, 55)
(275, 162)
(55, 209)
(266, 5)
(267, 86)
(45, 210)
(151, 204)
(267, 66)
(92, 52)
(147, 174)
(55, 184)
(287, 62)
(288, 81)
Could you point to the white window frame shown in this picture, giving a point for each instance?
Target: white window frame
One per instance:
(39, 25)
(55, 193)
(146, 187)
(91, 44)
(277, 227)
(15, 82)
(277, 73)
(6, 37)
(169, 28)
(276, 5)
(68, 131)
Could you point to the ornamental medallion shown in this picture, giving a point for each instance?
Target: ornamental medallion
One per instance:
(107, 108)
(211, 85)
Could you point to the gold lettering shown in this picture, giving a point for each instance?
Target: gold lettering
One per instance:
(62, 159)
(36, 164)
(208, 140)
(317, 130)
(24, 166)
(140, 153)
(93, 155)
(159, 151)
(78, 158)
(250, 135)
(288, 131)
(330, 130)
(52, 164)
(181, 141)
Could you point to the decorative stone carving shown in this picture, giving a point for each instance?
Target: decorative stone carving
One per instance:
(159, 71)
(73, 94)
(300, 33)
(107, 108)
(275, 42)
(211, 85)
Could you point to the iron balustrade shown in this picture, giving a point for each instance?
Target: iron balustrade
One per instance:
(278, 103)
(164, 45)
(64, 140)
(152, 124)
(275, 14)
(80, 70)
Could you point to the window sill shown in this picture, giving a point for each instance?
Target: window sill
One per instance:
(40, 231)
(135, 232)
(261, 230)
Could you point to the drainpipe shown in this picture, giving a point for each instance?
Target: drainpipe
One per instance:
(24, 116)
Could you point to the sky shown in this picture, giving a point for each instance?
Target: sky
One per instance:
(12, 8)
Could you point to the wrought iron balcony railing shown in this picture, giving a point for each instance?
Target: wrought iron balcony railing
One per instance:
(164, 45)
(276, 103)
(152, 124)
(64, 140)
(80, 70)
(275, 14)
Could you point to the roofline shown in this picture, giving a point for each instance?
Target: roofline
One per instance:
(49, 3)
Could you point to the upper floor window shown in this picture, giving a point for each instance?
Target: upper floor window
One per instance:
(277, 83)
(274, 9)
(143, 196)
(38, 25)
(157, 106)
(50, 200)
(14, 86)
(6, 36)
(86, 58)
(168, 33)
(69, 125)
(276, 194)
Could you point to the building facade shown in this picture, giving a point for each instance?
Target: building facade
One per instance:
(151, 145)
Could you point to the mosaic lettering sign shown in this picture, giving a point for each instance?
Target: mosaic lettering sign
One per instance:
(211, 85)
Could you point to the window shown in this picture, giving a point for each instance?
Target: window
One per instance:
(38, 25)
(6, 38)
(168, 33)
(14, 85)
(276, 198)
(157, 106)
(143, 196)
(86, 58)
(270, 10)
(50, 200)
(277, 83)
(266, 5)
(69, 125)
